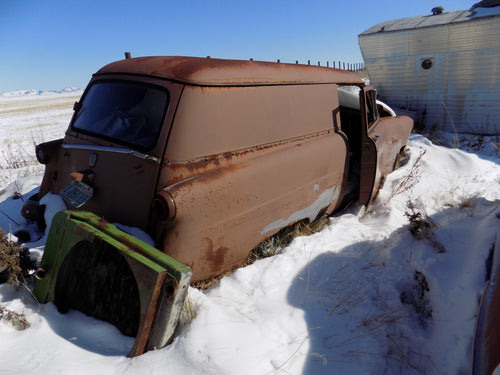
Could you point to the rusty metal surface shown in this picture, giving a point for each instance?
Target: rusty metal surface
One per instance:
(232, 165)
(262, 158)
(221, 72)
(239, 118)
(486, 344)
(230, 206)
(125, 183)
(492, 328)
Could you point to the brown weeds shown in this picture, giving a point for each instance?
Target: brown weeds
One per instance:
(9, 258)
(422, 227)
(406, 183)
(16, 319)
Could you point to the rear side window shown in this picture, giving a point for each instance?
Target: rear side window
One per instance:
(125, 112)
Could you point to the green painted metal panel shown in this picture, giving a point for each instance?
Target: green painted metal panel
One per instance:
(162, 281)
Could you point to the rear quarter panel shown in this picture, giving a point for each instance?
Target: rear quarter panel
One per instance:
(256, 181)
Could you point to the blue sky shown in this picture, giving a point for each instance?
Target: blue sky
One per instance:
(53, 44)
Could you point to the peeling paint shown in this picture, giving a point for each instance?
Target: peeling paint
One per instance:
(310, 212)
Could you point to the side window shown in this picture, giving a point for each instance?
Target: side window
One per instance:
(371, 104)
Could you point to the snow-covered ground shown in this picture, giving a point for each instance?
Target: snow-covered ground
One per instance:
(363, 296)
(27, 118)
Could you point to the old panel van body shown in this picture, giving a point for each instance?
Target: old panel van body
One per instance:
(211, 156)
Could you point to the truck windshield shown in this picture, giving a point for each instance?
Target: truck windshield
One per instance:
(125, 112)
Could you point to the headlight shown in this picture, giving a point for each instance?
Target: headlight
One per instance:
(42, 154)
(46, 151)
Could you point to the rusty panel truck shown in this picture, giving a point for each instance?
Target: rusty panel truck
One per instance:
(210, 157)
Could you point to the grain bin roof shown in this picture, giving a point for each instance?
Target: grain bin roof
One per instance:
(219, 72)
(486, 3)
(434, 20)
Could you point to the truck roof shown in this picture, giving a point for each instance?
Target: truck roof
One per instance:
(220, 72)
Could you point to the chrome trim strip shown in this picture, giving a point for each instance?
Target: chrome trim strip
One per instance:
(117, 150)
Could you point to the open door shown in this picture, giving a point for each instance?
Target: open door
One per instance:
(369, 179)
(382, 140)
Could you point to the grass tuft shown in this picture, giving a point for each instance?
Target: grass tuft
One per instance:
(285, 236)
(10, 260)
(406, 183)
(417, 296)
(16, 319)
(12, 268)
(422, 227)
(189, 312)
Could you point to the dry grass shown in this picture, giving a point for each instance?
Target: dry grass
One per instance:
(9, 257)
(455, 143)
(468, 206)
(387, 315)
(494, 144)
(422, 227)
(345, 293)
(416, 295)
(406, 183)
(10, 260)
(411, 360)
(285, 236)
(15, 260)
(189, 312)
(16, 319)
(17, 162)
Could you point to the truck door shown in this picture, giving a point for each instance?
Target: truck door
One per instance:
(381, 142)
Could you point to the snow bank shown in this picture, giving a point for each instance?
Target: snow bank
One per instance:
(363, 296)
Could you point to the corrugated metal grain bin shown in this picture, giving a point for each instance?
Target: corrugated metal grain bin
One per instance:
(444, 66)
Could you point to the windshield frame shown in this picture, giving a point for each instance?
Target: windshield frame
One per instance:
(155, 135)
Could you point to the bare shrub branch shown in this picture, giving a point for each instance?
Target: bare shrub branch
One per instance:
(407, 183)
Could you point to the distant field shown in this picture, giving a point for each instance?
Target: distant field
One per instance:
(26, 120)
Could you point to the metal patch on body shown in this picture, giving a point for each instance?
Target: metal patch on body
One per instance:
(310, 212)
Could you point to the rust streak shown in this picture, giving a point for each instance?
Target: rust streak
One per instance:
(214, 258)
